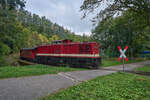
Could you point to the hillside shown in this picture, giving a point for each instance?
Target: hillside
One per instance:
(21, 29)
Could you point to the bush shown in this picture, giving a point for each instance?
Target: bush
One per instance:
(4, 50)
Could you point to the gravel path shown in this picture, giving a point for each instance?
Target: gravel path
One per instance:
(30, 88)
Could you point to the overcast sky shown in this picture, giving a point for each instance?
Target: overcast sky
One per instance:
(64, 12)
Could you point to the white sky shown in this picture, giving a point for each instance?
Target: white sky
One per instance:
(64, 12)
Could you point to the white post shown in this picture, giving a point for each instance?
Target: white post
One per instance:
(123, 66)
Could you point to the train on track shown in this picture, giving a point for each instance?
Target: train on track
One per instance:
(64, 52)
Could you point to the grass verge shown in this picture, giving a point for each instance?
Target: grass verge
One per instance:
(144, 69)
(113, 62)
(116, 86)
(32, 70)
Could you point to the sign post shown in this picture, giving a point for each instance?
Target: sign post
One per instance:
(123, 66)
(123, 56)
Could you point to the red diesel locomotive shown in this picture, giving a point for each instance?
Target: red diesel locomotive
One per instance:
(64, 52)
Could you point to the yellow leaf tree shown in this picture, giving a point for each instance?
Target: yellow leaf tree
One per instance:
(43, 38)
(54, 37)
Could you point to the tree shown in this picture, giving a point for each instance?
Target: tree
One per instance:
(41, 24)
(34, 39)
(4, 50)
(122, 30)
(12, 4)
(43, 38)
(113, 7)
(54, 37)
(120, 22)
(12, 32)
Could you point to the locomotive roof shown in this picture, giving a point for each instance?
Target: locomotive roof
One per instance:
(27, 48)
(70, 43)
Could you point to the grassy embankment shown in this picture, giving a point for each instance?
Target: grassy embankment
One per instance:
(113, 62)
(32, 70)
(144, 69)
(116, 86)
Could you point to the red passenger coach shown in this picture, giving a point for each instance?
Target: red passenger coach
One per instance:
(27, 54)
(62, 52)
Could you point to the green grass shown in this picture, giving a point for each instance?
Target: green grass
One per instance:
(32, 70)
(145, 69)
(116, 86)
(113, 62)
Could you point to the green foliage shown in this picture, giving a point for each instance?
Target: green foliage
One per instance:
(53, 37)
(12, 32)
(4, 49)
(114, 7)
(12, 4)
(32, 70)
(21, 29)
(146, 32)
(78, 38)
(45, 27)
(122, 22)
(41, 25)
(145, 69)
(126, 29)
(116, 86)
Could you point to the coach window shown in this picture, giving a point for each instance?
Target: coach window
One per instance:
(59, 42)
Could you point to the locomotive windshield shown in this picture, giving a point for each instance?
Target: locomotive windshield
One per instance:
(61, 41)
(56, 42)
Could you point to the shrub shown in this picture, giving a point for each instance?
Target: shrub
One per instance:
(4, 50)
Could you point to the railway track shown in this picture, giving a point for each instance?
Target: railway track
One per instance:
(129, 71)
(24, 62)
(140, 73)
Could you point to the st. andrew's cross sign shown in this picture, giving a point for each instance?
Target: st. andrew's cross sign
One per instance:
(122, 56)
(123, 53)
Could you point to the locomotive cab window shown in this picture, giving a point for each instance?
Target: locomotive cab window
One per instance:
(56, 42)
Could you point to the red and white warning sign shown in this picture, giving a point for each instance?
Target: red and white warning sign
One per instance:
(122, 56)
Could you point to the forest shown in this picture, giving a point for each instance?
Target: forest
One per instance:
(21, 29)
